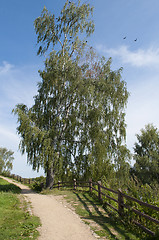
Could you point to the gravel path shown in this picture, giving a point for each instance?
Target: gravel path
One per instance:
(58, 222)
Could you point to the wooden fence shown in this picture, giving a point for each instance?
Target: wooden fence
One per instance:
(103, 194)
(22, 180)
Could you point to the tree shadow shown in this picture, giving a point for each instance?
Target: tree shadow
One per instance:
(102, 219)
(10, 188)
(27, 191)
(13, 188)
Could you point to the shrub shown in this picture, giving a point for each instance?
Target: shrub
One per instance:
(38, 184)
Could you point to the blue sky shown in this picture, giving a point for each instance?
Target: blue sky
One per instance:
(114, 20)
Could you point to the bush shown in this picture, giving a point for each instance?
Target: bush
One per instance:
(38, 184)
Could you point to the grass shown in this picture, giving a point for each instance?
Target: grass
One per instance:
(100, 220)
(15, 220)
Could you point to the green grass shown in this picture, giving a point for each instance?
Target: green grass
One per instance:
(8, 187)
(15, 220)
(100, 220)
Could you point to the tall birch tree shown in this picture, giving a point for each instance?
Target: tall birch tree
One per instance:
(78, 120)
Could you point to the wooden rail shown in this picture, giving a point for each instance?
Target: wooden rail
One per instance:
(97, 188)
(119, 200)
(22, 180)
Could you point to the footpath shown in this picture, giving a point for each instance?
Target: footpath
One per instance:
(58, 221)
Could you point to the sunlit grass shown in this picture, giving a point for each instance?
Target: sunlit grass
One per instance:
(15, 220)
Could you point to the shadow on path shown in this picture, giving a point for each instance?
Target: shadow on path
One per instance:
(96, 213)
(27, 191)
(15, 187)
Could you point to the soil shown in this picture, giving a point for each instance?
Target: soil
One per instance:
(58, 221)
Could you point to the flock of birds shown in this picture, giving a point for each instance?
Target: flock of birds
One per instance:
(123, 37)
(134, 39)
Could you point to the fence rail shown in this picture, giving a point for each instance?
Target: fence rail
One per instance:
(22, 180)
(97, 187)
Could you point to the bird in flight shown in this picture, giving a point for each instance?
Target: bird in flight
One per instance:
(135, 40)
(124, 38)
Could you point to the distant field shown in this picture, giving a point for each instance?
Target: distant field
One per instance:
(15, 220)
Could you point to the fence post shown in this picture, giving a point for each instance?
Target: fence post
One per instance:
(58, 185)
(90, 185)
(120, 203)
(75, 185)
(99, 191)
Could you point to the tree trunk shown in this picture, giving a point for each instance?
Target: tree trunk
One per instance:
(50, 178)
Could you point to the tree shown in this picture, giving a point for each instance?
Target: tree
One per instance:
(122, 165)
(77, 120)
(6, 159)
(146, 155)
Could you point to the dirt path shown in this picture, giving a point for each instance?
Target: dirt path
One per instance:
(58, 222)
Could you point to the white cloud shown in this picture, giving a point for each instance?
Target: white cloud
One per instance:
(5, 68)
(141, 69)
(138, 58)
(18, 84)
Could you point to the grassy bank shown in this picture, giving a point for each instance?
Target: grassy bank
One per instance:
(100, 220)
(15, 220)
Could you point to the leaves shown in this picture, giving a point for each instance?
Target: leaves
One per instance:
(147, 155)
(6, 159)
(65, 29)
(77, 121)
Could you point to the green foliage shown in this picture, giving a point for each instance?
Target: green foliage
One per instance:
(146, 193)
(156, 237)
(146, 155)
(38, 184)
(6, 159)
(77, 123)
(149, 195)
(122, 166)
(65, 29)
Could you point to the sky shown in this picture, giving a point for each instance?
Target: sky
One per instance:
(118, 23)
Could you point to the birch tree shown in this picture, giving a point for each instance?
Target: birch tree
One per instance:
(78, 120)
(6, 160)
(146, 155)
